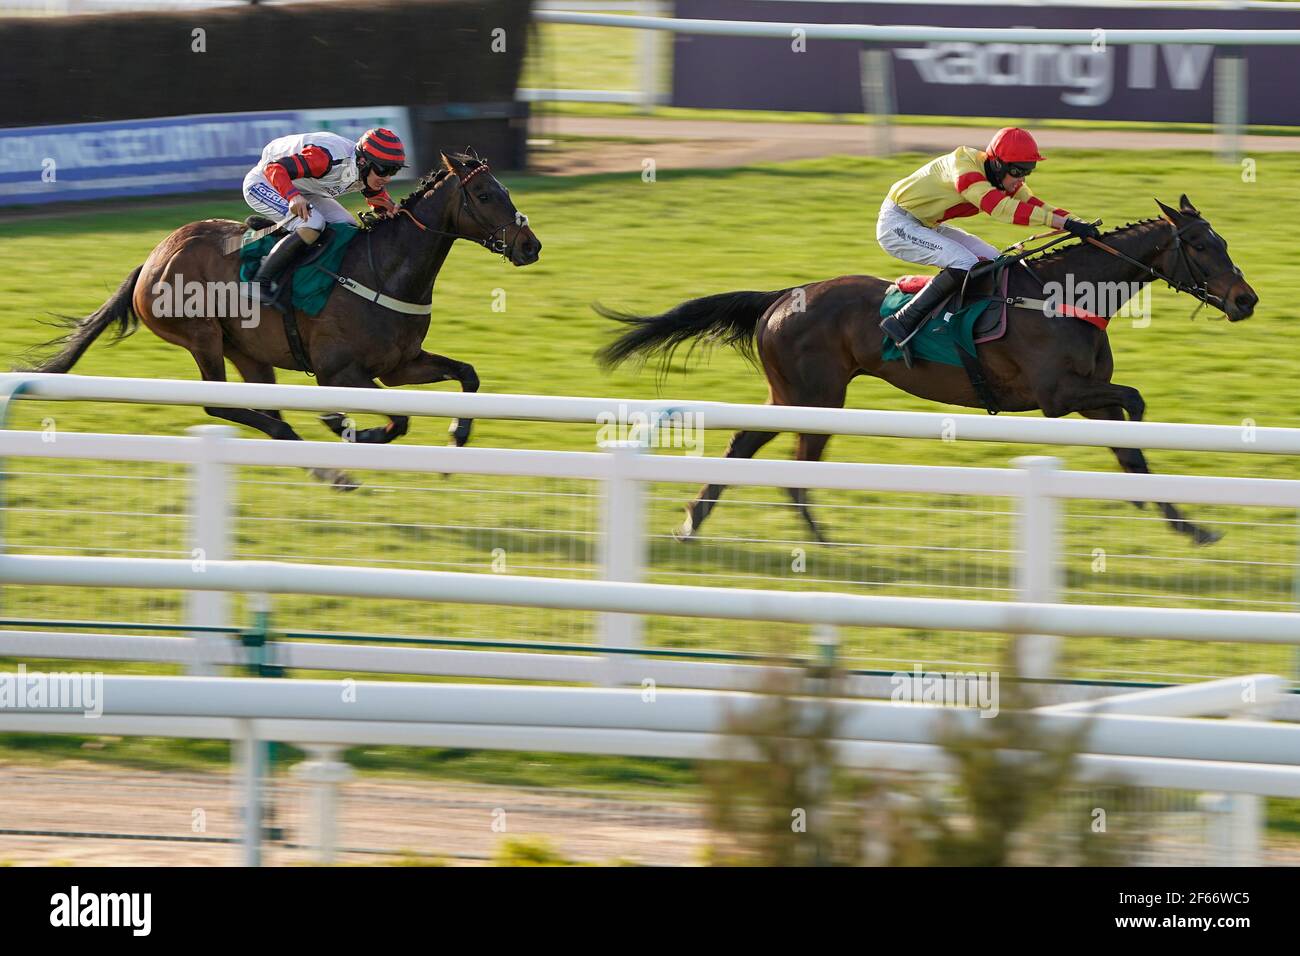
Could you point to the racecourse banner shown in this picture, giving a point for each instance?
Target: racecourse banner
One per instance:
(174, 154)
(1171, 83)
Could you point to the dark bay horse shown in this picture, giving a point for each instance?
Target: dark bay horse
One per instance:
(813, 344)
(352, 341)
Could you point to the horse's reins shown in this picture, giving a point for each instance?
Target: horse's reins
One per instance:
(491, 243)
(1199, 288)
(1021, 252)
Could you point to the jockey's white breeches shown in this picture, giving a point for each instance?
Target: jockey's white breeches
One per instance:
(905, 237)
(264, 200)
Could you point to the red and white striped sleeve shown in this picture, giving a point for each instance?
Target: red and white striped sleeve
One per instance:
(313, 161)
(1023, 209)
(1023, 195)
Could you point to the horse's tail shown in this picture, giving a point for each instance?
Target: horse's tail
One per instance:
(82, 332)
(729, 318)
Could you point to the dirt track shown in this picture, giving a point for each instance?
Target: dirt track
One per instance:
(380, 820)
(710, 144)
(685, 144)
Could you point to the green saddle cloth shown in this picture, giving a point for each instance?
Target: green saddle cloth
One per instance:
(311, 284)
(941, 335)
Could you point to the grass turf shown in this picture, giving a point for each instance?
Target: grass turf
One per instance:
(647, 246)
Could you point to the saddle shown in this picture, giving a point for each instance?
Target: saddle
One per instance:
(305, 285)
(987, 282)
(312, 276)
(972, 315)
(263, 226)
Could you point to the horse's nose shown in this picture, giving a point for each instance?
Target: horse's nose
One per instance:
(1246, 301)
(530, 248)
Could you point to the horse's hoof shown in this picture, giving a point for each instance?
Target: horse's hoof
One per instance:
(1205, 536)
(459, 432)
(338, 480)
(684, 532)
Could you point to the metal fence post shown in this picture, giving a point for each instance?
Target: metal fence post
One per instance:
(648, 60)
(1295, 603)
(324, 771)
(874, 64)
(1233, 824)
(1237, 819)
(260, 662)
(826, 638)
(1229, 101)
(258, 656)
(623, 548)
(251, 770)
(9, 390)
(1037, 572)
(209, 541)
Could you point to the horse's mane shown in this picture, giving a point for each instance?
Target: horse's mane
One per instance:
(430, 180)
(1052, 254)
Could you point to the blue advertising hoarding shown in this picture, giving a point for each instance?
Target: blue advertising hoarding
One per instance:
(176, 154)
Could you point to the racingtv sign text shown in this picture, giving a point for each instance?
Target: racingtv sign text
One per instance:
(1090, 78)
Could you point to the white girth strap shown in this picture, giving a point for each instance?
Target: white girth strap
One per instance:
(387, 301)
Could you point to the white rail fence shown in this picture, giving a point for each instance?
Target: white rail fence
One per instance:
(1153, 743)
(1247, 438)
(923, 34)
(1036, 487)
(1159, 743)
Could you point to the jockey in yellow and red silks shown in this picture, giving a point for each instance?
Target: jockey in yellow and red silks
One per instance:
(966, 182)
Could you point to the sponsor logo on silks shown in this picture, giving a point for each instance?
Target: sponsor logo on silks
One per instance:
(270, 197)
(133, 910)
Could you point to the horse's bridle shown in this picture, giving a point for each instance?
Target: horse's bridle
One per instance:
(492, 243)
(1199, 286)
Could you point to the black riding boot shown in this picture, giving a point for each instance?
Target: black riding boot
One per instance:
(276, 264)
(903, 324)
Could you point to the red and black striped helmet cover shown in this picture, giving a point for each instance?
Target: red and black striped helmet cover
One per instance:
(382, 146)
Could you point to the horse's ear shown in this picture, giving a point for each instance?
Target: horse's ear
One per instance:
(1185, 205)
(452, 165)
(1173, 215)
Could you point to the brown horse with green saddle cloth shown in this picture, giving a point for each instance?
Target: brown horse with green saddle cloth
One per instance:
(812, 340)
(371, 326)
